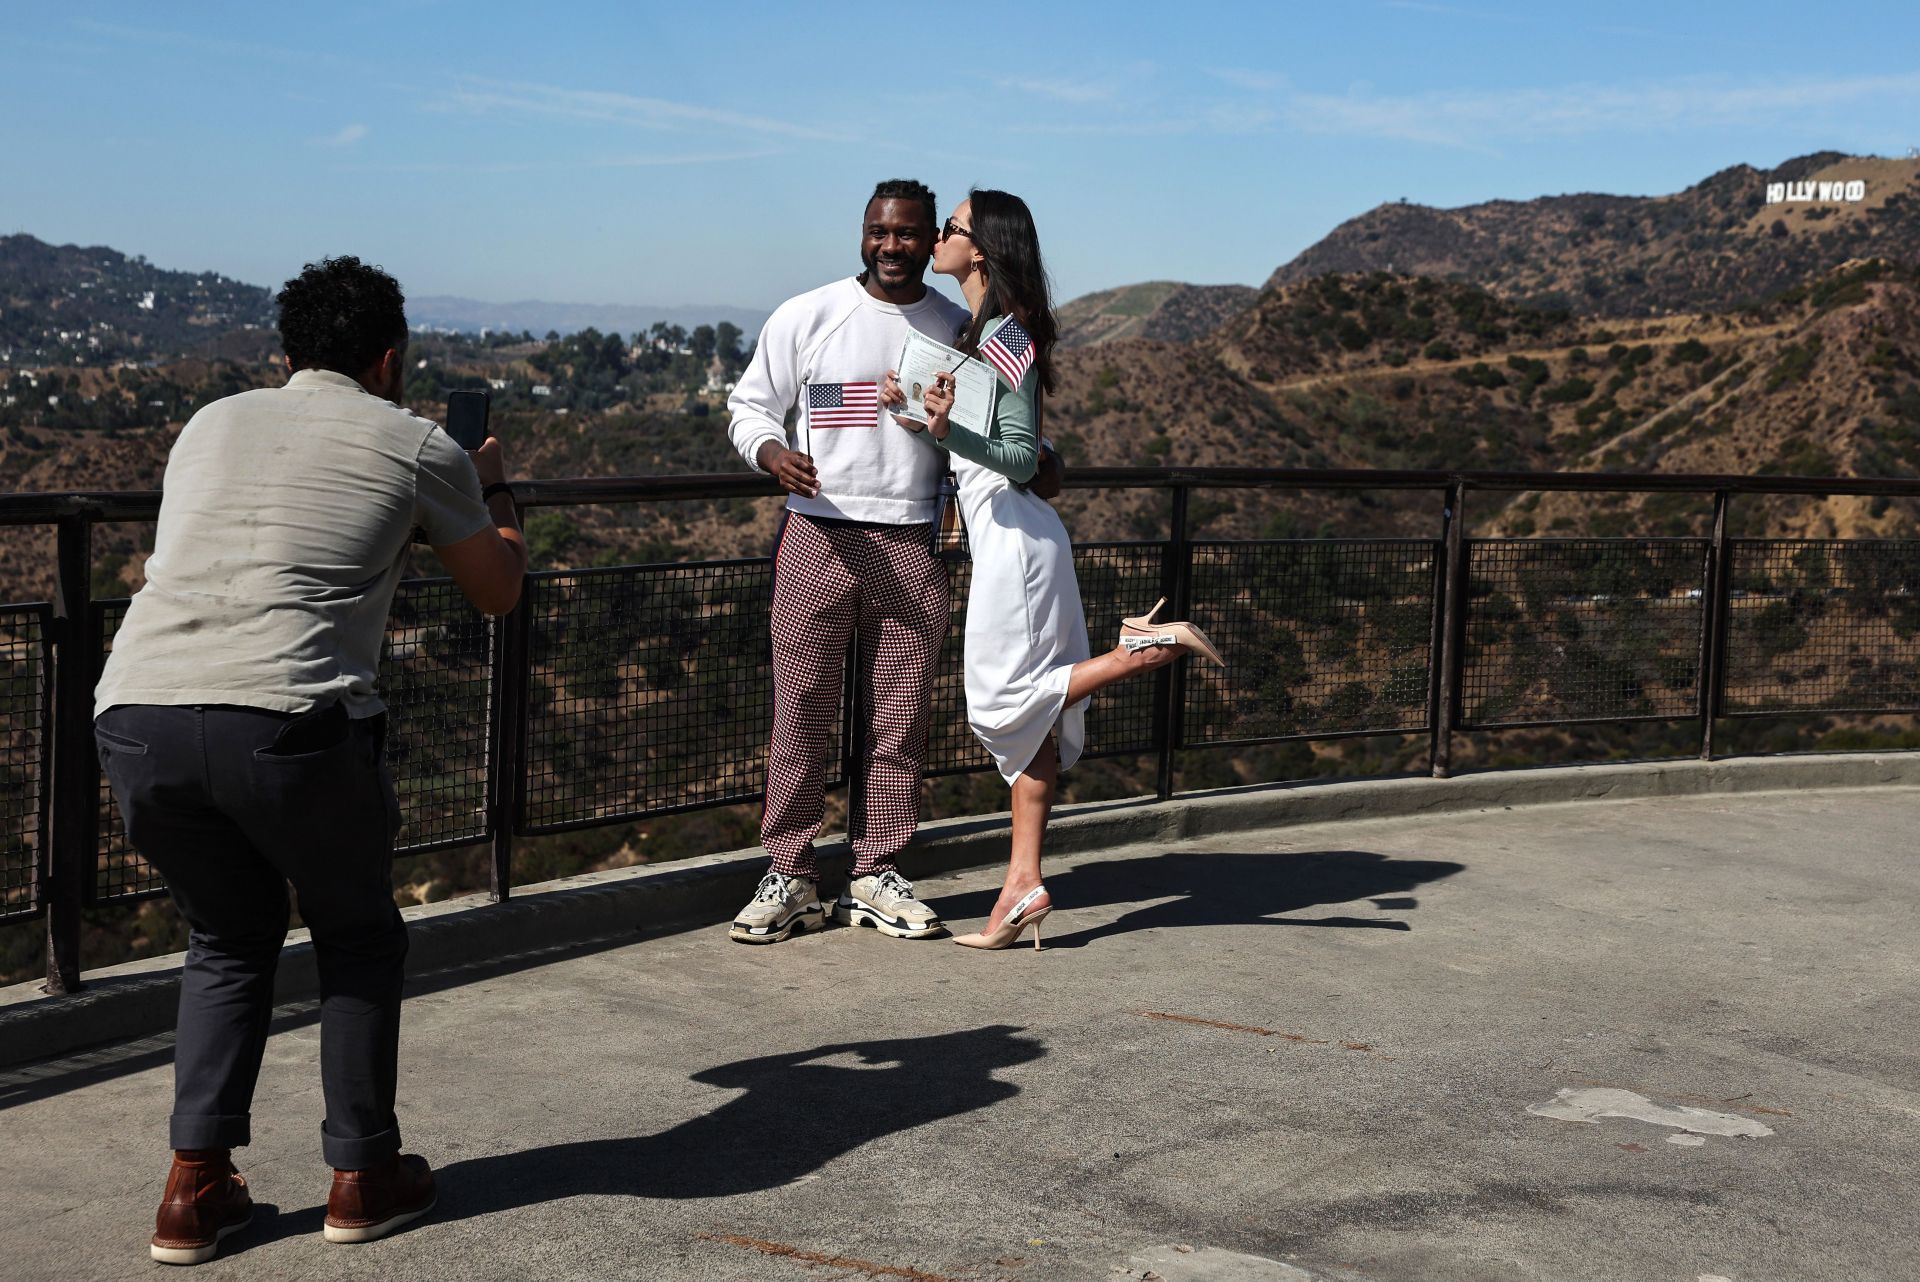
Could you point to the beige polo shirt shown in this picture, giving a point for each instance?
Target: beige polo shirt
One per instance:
(283, 528)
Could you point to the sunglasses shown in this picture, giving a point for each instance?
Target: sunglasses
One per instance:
(950, 229)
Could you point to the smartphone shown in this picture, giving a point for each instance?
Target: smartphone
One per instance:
(467, 418)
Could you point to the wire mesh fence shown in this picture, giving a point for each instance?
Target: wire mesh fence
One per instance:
(650, 690)
(436, 676)
(1823, 625)
(1321, 637)
(23, 744)
(952, 747)
(1118, 580)
(119, 871)
(1579, 630)
(647, 688)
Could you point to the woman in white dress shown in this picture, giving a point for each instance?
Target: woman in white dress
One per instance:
(1029, 670)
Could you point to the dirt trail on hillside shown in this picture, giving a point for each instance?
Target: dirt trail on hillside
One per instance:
(1310, 382)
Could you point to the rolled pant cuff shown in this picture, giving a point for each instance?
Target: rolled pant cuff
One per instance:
(360, 1154)
(209, 1131)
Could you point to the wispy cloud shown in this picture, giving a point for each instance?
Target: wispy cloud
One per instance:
(158, 38)
(347, 136)
(1082, 92)
(693, 158)
(1476, 120)
(556, 166)
(484, 97)
(1250, 79)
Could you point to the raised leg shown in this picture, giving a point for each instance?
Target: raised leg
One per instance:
(1090, 676)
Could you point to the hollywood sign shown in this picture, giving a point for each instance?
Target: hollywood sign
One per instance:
(1779, 193)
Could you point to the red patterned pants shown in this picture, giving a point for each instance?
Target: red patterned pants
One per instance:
(833, 581)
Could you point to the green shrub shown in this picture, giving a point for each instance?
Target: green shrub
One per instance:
(1794, 364)
(1480, 374)
(1574, 389)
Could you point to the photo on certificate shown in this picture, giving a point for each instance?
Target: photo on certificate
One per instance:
(975, 384)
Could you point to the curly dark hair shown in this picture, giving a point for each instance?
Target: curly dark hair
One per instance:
(342, 315)
(907, 189)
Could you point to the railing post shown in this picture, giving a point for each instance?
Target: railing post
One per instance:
(1453, 612)
(507, 737)
(1171, 688)
(73, 829)
(1716, 594)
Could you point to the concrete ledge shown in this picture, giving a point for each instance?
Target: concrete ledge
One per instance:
(138, 999)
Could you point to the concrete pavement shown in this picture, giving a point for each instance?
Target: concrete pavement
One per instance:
(1343, 1051)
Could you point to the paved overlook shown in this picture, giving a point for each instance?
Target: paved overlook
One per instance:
(1669, 1038)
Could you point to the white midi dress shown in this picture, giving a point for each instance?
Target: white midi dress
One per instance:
(1025, 626)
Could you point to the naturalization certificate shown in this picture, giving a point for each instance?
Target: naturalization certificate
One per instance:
(974, 381)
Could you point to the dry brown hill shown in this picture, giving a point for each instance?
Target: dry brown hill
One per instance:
(1381, 371)
(1715, 246)
(1157, 309)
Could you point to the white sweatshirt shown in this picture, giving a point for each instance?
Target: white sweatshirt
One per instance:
(841, 334)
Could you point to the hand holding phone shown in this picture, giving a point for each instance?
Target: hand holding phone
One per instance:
(467, 413)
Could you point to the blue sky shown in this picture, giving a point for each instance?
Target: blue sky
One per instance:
(689, 153)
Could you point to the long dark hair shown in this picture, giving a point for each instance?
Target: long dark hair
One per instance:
(1016, 280)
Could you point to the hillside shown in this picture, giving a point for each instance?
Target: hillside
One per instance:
(1160, 309)
(1392, 372)
(69, 305)
(1346, 371)
(1715, 246)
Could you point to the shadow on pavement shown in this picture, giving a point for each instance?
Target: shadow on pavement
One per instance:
(769, 1136)
(1219, 889)
(26, 1083)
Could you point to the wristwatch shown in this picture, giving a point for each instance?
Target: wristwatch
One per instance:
(498, 487)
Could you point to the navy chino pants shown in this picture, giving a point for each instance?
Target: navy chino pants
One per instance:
(230, 805)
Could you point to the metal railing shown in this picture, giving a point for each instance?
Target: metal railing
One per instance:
(619, 693)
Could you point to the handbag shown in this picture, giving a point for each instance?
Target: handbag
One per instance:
(949, 527)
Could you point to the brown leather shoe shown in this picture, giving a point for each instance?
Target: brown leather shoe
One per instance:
(205, 1201)
(370, 1204)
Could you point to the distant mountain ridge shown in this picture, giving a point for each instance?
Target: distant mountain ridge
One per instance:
(92, 305)
(79, 305)
(470, 316)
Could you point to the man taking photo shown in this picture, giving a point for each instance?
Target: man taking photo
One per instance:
(241, 730)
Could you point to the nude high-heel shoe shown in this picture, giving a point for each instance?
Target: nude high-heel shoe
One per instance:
(1008, 932)
(1142, 633)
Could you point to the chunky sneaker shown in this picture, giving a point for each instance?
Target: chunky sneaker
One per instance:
(885, 901)
(205, 1201)
(780, 906)
(365, 1205)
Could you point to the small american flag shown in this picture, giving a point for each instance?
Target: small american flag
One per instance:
(1010, 351)
(843, 404)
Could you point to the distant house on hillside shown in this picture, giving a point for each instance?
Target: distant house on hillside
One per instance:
(542, 389)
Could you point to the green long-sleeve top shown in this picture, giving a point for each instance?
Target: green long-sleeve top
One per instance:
(1011, 447)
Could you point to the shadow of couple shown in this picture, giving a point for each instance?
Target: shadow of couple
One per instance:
(1206, 888)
